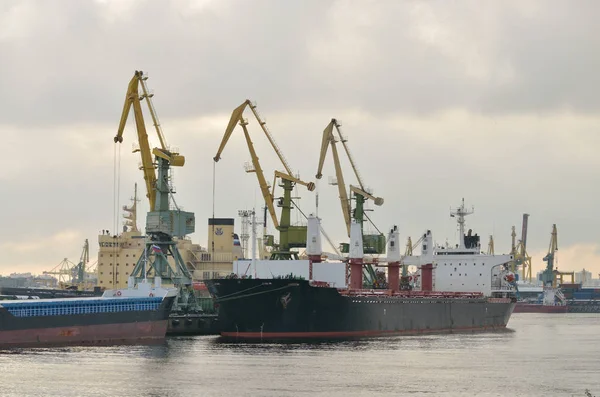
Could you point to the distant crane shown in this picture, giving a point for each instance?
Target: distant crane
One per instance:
(548, 275)
(79, 271)
(70, 275)
(62, 271)
(289, 236)
(519, 251)
(409, 252)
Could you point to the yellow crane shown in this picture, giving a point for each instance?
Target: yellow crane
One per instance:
(161, 256)
(133, 98)
(289, 236)
(373, 244)
(519, 251)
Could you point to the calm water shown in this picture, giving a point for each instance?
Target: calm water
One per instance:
(541, 355)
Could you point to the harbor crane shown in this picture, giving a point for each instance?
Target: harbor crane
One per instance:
(519, 251)
(372, 243)
(162, 222)
(79, 271)
(551, 274)
(70, 275)
(290, 236)
(548, 275)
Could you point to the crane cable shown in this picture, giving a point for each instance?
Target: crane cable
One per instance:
(212, 254)
(116, 194)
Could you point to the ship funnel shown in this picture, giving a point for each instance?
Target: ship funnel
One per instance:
(356, 241)
(393, 250)
(313, 240)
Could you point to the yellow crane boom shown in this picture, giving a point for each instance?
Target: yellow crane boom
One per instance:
(329, 140)
(237, 118)
(133, 99)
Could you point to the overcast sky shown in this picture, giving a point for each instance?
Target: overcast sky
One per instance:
(496, 102)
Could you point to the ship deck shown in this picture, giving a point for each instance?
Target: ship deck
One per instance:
(409, 294)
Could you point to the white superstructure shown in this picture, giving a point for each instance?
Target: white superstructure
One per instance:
(463, 268)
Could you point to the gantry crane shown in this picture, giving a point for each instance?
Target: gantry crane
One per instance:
(70, 275)
(63, 272)
(162, 223)
(519, 251)
(372, 243)
(289, 236)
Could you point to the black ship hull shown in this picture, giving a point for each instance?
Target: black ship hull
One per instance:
(126, 327)
(279, 309)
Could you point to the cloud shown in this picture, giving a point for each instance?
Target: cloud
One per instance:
(41, 253)
(381, 57)
(493, 102)
(576, 257)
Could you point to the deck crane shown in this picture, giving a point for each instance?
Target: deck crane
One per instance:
(289, 236)
(372, 244)
(162, 222)
(519, 251)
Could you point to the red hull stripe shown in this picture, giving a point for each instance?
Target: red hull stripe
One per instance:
(345, 334)
(539, 309)
(105, 334)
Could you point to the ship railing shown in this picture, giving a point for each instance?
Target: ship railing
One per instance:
(411, 294)
(314, 283)
(504, 288)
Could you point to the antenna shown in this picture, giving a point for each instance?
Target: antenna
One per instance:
(460, 214)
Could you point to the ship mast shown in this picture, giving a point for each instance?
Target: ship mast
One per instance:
(460, 214)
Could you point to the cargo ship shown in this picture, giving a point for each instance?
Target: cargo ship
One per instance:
(455, 289)
(553, 301)
(581, 299)
(120, 316)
